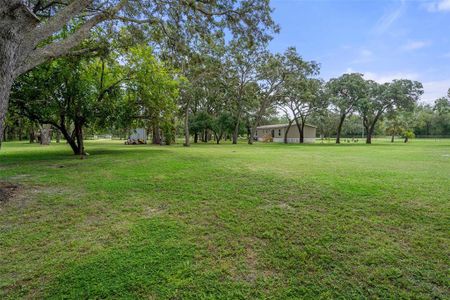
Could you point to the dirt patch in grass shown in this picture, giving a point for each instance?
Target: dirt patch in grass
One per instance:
(247, 267)
(8, 191)
(279, 205)
(149, 212)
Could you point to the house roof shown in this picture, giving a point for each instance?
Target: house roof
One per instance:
(276, 126)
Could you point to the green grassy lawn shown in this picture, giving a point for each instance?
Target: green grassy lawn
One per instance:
(226, 221)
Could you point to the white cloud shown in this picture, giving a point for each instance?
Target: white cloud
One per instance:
(364, 56)
(435, 90)
(389, 18)
(432, 89)
(349, 70)
(385, 77)
(439, 6)
(415, 45)
(388, 77)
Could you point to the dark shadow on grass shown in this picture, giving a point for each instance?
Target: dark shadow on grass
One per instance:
(66, 154)
(21, 156)
(138, 150)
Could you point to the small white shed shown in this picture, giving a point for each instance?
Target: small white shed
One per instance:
(138, 136)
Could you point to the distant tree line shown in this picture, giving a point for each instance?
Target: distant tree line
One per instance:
(178, 74)
(433, 120)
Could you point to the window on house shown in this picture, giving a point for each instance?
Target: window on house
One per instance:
(279, 132)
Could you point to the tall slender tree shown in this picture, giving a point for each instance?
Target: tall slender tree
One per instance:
(304, 98)
(345, 93)
(273, 74)
(153, 89)
(242, 60)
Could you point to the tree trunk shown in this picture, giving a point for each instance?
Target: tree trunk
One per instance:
(261, 112)
(287, 131)
(32, 135)
(406, 139)
(371, 128)
(252, 133)
(218, 137)
(5, 134)
(45, 131)
(339, 129)
(20, 132)
(6, 82)
(370, 131)
(302, 133)
(196, 138)
(79, 138)
(300, 130)
(15, 22)
(58, 136)
(236, 133)
(392, 138)
(186, 127)
(69, 139)
(254, 128)
(156, 140)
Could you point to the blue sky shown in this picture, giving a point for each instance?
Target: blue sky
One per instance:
(384, 39)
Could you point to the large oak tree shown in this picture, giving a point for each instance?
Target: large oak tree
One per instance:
(28, 28)
(345, 93)
(398, 95)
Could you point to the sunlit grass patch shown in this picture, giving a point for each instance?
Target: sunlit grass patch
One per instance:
(226, 221)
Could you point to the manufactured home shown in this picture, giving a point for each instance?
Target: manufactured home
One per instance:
(277, 133)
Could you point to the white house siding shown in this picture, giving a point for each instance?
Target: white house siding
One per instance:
(293, 135)
(278, 132)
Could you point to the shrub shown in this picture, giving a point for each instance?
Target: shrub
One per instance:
(408, 134)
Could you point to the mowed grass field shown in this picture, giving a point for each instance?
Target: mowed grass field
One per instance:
(267, 221)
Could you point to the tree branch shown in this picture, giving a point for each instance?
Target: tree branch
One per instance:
(58, 49)
(55, 23)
